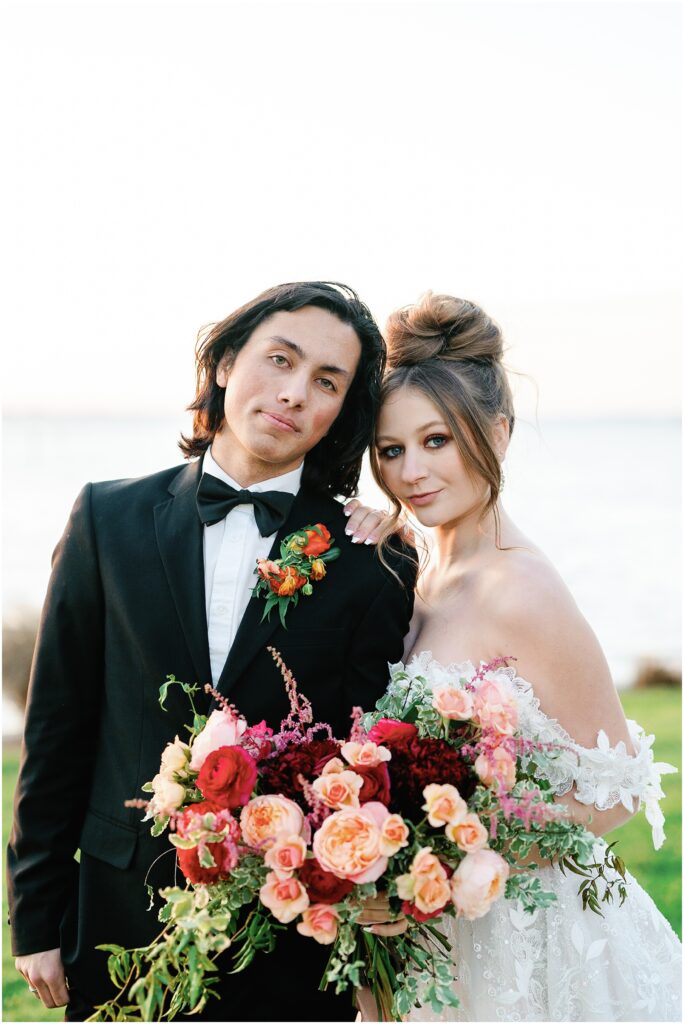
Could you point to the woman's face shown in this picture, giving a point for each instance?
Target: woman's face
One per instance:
(420, 461)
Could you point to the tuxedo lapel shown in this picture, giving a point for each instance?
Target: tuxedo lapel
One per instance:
(253, 635)
(180, 540)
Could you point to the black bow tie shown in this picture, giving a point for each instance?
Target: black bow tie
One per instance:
(215, 499)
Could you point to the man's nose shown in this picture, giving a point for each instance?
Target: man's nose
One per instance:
(295, 389)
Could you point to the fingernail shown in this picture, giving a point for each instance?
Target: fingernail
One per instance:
(369, 540)
(348, 532)
(347, 511)
(356, 540)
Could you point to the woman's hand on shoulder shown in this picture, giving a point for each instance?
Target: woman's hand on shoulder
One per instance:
(366, 525)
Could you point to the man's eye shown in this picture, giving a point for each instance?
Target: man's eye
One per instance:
(390, 452)
(436, 441)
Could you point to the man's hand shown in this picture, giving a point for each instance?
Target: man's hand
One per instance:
(45, 973)
(366, 524)
(377, 917)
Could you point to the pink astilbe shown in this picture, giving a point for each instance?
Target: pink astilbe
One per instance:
(528, 808)
(319, 811)
(358, 734)
(222, 702)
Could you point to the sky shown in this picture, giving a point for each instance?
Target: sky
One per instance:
(169, 161)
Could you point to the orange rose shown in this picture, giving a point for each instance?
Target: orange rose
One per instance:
(339, 789)
(288, 581)
(317, 544)
(469, 833)
(286, 898)
(443, 803)
(395, 835)
(319, 922)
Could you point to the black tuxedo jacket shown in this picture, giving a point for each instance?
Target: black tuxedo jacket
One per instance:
(125, 607)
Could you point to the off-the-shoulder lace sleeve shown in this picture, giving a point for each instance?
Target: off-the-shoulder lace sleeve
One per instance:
(603, 776)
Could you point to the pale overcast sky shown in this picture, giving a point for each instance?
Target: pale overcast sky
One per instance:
(166, 163)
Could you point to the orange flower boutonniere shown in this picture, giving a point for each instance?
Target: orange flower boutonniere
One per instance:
(303, 561)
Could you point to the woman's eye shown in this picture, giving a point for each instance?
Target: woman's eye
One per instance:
(436, 441)
(279, 360)
(390, 452)
(328, 384)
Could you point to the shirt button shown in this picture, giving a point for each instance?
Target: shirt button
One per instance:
(221, 609)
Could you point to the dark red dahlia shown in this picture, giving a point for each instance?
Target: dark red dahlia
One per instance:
(416, 763)
(279, 774)
(321, 885)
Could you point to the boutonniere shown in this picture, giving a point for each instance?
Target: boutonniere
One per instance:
(302, 562)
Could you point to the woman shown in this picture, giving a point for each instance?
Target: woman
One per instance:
(489, 592)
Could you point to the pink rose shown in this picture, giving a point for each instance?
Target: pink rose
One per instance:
(223, 729)
(497, 765)
(349, 843)
(452, 703)
(365, 755)
(339, 789)
(266, 818)
(478, 881)
(443, 804)
(286, 855)
(468, 833)
(496, 709)
(286, 898)
(319, 922)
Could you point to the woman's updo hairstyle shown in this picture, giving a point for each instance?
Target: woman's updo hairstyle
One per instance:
(451, 351)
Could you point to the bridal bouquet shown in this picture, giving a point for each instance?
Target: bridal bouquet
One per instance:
(430, 801)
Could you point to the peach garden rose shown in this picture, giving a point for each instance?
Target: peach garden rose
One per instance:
(266, 818)
(478, 881)
(349, 843)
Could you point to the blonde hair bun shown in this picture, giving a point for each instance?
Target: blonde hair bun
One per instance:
(442, 327)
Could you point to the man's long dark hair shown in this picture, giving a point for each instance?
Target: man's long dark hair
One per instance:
(334, 464)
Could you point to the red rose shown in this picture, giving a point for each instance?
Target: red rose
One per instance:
(321, 885)
(227, 777)
(316, 544)
(388, 730)
(376, 782)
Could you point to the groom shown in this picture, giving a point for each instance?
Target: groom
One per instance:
(153, 576)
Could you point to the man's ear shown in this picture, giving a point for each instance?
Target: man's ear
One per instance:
(501, 435)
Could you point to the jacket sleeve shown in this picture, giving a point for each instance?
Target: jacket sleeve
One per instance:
(60, 737)
(379, 635)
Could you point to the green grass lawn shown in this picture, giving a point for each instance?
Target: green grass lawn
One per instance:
(658, 710)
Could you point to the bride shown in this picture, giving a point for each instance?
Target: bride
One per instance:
(488, 592)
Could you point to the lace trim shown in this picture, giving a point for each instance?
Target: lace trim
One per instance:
(602, 775)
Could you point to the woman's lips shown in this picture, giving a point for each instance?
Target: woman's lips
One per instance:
(423, 499)
(277, 421)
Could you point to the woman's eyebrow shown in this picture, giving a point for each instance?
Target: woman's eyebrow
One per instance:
(426, 426)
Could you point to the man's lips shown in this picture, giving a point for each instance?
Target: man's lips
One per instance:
(280, 421)
(422, 499)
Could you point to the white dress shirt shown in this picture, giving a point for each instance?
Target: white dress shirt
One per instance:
(231, 548)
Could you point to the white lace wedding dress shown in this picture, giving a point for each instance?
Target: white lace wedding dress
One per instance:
(564, 963)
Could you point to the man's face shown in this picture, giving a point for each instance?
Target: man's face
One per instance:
(284, 391)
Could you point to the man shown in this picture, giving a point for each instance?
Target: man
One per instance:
(154, 576)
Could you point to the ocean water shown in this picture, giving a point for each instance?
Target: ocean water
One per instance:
(601, 498)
